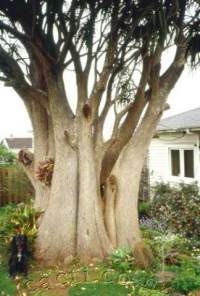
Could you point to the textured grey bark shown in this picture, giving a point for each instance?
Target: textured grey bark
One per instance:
(92, 240)
(56, 240)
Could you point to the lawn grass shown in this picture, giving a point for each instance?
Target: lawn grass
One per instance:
(7, 286)
(99, 289)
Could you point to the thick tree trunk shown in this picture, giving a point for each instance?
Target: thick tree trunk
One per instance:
(56, 240)
(127, 174)
(127, 171)
(43, 147)
(74, 223)
(92, 240)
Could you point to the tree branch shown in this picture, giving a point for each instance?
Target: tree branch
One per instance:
(123, 135)
(26, 158)
(20, 36)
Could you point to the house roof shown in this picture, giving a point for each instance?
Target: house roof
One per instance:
(186, 120)
(19, 143)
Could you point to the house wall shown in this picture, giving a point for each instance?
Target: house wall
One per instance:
(159, 156)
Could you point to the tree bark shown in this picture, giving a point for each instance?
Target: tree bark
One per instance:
(74, 222)
(128, 170)
(92, 240)
(111, 191)
(56, 240)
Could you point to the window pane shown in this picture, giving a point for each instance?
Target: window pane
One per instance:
(189, 163)
(175, 162)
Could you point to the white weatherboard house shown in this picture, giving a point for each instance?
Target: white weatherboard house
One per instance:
(174, 154)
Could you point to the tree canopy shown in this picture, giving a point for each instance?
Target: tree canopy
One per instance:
(80, 32)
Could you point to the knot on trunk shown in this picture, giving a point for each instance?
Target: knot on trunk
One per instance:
(25, 157)
(87, 111)
(44, 171)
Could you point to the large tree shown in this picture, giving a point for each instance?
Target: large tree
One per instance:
(113, 48)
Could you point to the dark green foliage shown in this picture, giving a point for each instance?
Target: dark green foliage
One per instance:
(144, 209)
(145, 279)
(194, 49)
(137, 22)
(178, 208)
(186, 282)
(122, 260)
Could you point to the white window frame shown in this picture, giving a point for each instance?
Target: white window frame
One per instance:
(182, 169)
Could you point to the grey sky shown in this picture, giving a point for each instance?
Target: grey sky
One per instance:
(14, 118)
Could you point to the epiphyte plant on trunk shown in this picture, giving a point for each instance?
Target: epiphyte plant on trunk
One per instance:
(73, 63)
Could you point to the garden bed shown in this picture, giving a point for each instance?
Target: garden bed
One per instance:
(175, 268)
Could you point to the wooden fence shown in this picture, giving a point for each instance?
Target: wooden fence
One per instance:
(14, 185)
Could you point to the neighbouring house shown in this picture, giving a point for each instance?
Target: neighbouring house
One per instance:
(174, 153)
(17, 144)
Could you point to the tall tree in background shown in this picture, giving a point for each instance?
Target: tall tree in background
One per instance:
(113, 48)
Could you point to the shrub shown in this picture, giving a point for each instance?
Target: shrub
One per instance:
(122, 259)
(123, 263)
(145, 279)
(7, 157)
(22, 215)
(186, 282)
(178, 208)
(163, 247)
(144, 209)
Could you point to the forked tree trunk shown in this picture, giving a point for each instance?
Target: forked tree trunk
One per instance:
(74, 223)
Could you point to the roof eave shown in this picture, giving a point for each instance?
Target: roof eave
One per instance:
(179, 130)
